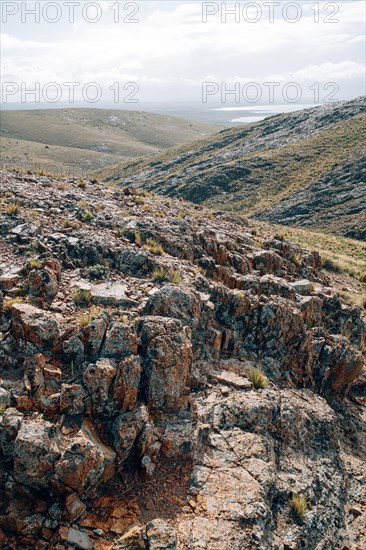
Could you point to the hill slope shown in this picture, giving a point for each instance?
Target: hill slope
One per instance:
(305, 168)
(171, 378)
(90, 138)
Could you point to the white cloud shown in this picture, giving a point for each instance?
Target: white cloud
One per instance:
(170, 47)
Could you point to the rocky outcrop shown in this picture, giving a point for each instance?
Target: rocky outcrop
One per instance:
(182, 400)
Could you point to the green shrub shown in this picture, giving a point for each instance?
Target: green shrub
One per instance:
(35, 264)
(86, 216)
(297, 260)
(98, 271)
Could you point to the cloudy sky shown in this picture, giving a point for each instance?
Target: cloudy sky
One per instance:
(168, 49)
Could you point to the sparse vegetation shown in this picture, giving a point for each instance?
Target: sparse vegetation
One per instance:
(339, 254)
(10, 302)
(159, 275)
(98, 272)
(138, 200)
(82, 297)
(297, 261)
(154, 247)
(257, 378)
(69, 224)
(86, 318)
(81, 184)
(12, 209)
(175, 276)
(86, 216)
(34, 264)
(298, 505)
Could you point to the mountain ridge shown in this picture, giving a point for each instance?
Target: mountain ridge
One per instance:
(256, 169)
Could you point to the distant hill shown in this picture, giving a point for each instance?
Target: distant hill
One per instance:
(305, 168)
(90, 138)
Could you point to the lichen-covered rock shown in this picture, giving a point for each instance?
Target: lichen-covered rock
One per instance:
(173, 301)
(167, 359)
(161, 536)
(98, 380)
(126, 430)
(338, 367)
(37, 448)
(10, 423)
(84, 463)
(35, 326)
(73, 399)
(92, 336)
(126, 383)
(43, 284)
(120, 341)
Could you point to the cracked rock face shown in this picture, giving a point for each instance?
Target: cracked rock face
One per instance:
(187, 408)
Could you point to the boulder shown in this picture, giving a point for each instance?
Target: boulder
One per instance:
(120, 341)
(73, 399)
(43, 284)
(98, 380)
(11, 420)
(167, 350)
(126, 430)
(35, 326)
(92, 336)
(85, 463)
(111, 294)
(37, 448)
(174, 301)
(126, 383)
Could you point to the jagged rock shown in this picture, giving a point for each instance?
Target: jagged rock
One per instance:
(267, 261)
(160, 535)
(92, 337)
(73, 350)
(173, 301)
(10, 279)
(76, 538)
(37, 449)
(73, 399)
(35, 326)
(43, 284)
(84, 463)
(126, 429)
(302, 287)
(74, 508)
(168, 356)
(98, 380)
(339, 366)
(120, 341)
(4, 399)
(126, 383)
(11, 420)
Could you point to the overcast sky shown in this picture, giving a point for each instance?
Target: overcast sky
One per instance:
(170, 51)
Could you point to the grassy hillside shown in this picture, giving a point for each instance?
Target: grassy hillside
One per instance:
(304, 168)
(90, 138)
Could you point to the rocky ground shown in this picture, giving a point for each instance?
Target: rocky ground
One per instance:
(170, 379)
